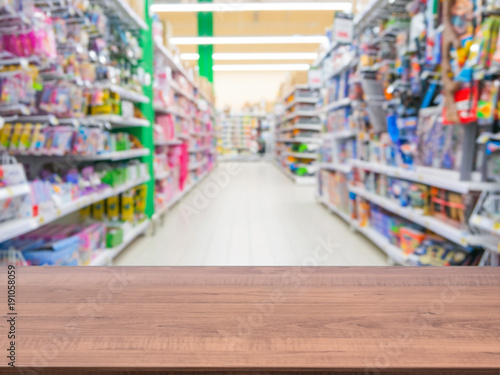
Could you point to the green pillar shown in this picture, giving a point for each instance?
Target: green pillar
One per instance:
(206, 28)
(145, 134)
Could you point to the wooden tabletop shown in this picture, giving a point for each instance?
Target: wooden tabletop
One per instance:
(256, 320)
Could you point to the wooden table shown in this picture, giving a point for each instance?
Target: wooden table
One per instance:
(244, 320)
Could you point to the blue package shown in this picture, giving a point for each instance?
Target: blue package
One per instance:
(58, 253)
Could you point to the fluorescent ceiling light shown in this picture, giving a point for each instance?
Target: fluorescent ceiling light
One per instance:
(251, 7)
(261, 68)
(212, 40)
(265, 56)
(255, 56)
(190, 56)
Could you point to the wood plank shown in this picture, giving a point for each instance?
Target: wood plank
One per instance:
(256, 320)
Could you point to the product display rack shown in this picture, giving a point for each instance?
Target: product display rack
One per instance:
(237, 136)
(184, 130)
(428, 207)
(121, 15)
(298, 134)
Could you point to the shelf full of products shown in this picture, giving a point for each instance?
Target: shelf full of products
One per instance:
(80, 177)
(239, 136)
(298, 134)
(184, 130)
(400, 161)
(75, 130)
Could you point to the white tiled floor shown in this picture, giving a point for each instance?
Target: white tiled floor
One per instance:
(260, 219)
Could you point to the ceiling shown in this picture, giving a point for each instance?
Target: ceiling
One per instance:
(269, 23)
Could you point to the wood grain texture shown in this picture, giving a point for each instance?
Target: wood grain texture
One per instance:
(256, 320)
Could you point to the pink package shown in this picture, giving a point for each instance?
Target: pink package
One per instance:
(184, 161)
(94, 236)
(167, 125)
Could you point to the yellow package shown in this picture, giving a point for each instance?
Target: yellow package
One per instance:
(5, 136)
(127, 206)
(113, 208)
(85, 213)
(16, 137)
(26, 137)
(98, 211)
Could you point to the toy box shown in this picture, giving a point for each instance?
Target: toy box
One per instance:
(60, 253)
(452, 208)
(438, 252)
(410, 239)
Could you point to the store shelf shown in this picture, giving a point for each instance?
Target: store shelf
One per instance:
(105, 257)
(198, 165)
(176, 66)
(201, 149)
(335, 105)
(120, 122)
(344, 168)
(340, 134)
(444, 179)
(16, 109)
(112, 156)
(392, 251)
(18, 227)
(171, 111)
(300, 140)
(14, 191)
(170, 142)
(439, 227)
(22, 61)
(301, 101)
(161, 176)
(118, 155)
(125, 94)
(330, 49)
(241, 158)
(353, 61)
(299, 180)
(486, 224)
(296, 114)
(376, 11)
(160, 212)
(180, 91)
(292, 91)
(312, 127)
(335, 209)
(302, 155)
(122, 12)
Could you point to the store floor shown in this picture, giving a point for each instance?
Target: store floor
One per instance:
(259, 218)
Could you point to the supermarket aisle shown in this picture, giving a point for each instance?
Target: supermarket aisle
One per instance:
(260, 218)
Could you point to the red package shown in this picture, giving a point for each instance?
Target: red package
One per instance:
(466, 102)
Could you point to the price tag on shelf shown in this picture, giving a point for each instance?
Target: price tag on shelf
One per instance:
(476, 220)
(463, 241)
(10, 192)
